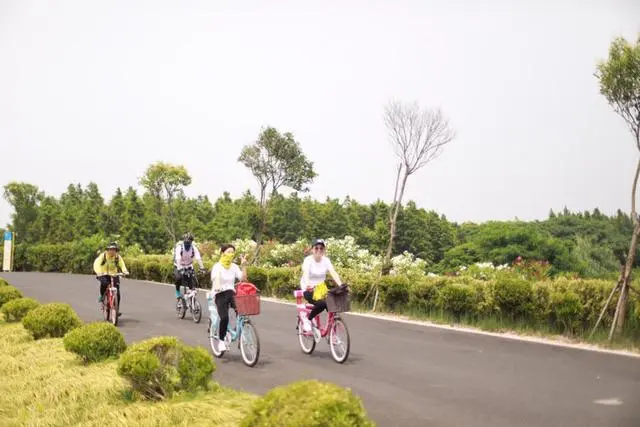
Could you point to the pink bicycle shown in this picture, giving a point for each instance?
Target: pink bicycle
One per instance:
(335, 329)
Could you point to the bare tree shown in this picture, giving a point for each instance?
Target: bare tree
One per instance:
(418, 136)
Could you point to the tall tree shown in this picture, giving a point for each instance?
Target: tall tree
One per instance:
(418, 136)
(166, 182)
(276, 160)
(25, 199)
(619, 78)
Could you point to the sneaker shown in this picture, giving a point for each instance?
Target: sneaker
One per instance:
(222, 346)
(306, 325)
(100, 298)
(316, 334)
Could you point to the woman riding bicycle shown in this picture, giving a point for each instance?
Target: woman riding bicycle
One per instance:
(223, 277)
(314, 273)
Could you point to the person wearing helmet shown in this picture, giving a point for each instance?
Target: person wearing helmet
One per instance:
(109, 263)
(314, 273)
(184, 254)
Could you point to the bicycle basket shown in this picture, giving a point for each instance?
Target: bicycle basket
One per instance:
(248, 305)
(338, 303)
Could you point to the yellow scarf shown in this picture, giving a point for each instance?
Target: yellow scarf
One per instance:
(226, 259)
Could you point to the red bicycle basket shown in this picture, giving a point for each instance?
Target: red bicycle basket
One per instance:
(247, 299)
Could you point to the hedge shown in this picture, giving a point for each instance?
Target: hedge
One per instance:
(563, 305)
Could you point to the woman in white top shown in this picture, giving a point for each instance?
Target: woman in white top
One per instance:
(224, 275)
(314, 271)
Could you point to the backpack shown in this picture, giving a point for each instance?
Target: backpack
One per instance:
(193, 252)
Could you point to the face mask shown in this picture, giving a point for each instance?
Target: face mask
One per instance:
(187, 245)
(225, 260)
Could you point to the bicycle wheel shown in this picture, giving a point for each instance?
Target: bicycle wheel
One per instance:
(114, 312)
(249, 344)
(212, 332)
(181, 308)
(196, 310)
(307, 342)
(340, 346)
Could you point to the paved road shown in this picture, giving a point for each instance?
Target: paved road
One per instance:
(407, 375)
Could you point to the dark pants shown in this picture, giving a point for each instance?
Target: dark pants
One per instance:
(224, 300)
(318, 306)
(177, 276)
(105, 281)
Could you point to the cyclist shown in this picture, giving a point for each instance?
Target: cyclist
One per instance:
(314, 273)
(108, 264)
(223, 277)
(184, 253)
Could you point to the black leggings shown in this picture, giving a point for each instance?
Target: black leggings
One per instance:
(318, 306)
(177, 276)
(224, 300)
(105, 281)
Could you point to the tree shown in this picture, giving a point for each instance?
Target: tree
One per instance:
(166, 182)
(418, 136)
(619, 78)
(25, 199)
(276, 160)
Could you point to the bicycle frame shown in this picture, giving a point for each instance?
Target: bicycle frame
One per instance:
(324, 330)
(235, 332)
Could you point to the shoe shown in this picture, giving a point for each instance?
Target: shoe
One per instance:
(306, 325)
(222, 346)
(100, 298)
(119, 314)
(316, 334)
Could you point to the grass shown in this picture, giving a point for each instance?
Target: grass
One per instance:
(44, 385)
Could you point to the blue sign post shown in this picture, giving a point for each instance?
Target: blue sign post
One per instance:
(7, 258)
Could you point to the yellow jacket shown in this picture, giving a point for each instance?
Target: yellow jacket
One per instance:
(106, 264)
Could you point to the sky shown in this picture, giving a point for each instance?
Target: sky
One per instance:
(98, 90)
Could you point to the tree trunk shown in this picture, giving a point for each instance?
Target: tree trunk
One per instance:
(625, 279)
(392, 224)
(263, 223)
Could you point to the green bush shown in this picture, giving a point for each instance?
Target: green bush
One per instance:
(567, 309)
(51, 320)
(394, 292)
(423, 297)
(16, 309)
(457, 299)
(8, 293)
(3, 282)
(152, 271)
(258, 276)
(513, 296)
(282, 281)
(95, 342)
(158, 367)
(308, 403)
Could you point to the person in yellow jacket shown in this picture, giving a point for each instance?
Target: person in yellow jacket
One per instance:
(109, 263)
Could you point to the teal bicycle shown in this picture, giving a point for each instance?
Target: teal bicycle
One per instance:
(248, 304)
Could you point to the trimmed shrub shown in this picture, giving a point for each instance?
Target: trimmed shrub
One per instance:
(8, 293)
(3, 282)
(513, 296)
(308, 403)
(567, 309)
(282, 281)
(152, 271)
(51, 320)
(394, 292)
(158, 367)
(456, 299)
(95, 342)
(258, 276)
(16, 309)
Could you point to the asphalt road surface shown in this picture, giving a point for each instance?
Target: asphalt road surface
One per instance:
(407, 375)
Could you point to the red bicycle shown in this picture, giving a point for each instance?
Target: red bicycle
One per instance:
(110, 302)
(335, 329)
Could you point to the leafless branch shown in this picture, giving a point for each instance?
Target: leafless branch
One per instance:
(418, 136)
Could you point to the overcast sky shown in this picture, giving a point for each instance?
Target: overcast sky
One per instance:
(96, 91)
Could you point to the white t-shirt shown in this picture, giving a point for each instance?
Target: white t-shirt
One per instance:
(317, 271)
(228, 277)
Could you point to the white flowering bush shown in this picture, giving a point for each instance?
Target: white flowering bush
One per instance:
(345, 253)
(406, 264)
(482, 270)
(281, 255)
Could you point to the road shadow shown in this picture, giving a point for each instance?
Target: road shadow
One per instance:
(233, 358)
